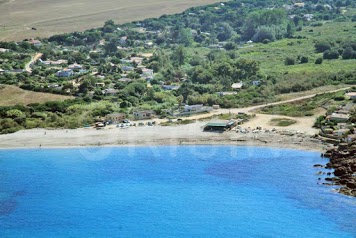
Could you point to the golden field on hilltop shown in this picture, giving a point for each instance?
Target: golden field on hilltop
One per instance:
(49, 17)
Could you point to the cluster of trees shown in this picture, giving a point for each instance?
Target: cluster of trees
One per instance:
(333, 50)
(10, 61)
(66, 114)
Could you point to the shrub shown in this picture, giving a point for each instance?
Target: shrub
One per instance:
(304, 60)
(289, 61)
(331, 54)
(322, 46)
(319, 61)
(339, 98)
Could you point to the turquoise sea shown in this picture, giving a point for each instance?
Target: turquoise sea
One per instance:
(169, 191)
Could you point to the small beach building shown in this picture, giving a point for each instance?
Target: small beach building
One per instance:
(337, 117)
(351, 95)
(341, 132)
(351, 138)
(193, 108)
(144, 114)
(115, 117)
(219, 125)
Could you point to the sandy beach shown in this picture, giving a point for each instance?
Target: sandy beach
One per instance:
(296, 136)
(191, 134)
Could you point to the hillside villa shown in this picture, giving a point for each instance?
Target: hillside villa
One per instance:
(64, 73)
(237, 86)
(75, 66)
(3, 50)
(36, 43)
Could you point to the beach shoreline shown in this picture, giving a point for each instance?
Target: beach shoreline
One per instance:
(191, 134)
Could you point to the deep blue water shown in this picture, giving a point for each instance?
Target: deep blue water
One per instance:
(183, 191)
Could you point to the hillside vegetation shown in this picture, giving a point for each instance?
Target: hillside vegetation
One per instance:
(232, 54)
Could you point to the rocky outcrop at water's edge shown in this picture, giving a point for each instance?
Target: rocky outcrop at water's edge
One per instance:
(343, 161)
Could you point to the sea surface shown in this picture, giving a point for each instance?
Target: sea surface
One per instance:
(169, 191)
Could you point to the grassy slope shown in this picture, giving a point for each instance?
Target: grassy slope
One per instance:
(11, 95)
(272, 56)
(53, 17)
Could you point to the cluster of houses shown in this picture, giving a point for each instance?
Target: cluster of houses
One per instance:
(338, 126)
(116, 118)
(145, 114)
(135, 64)
(70, 70)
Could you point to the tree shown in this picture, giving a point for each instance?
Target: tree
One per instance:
(225, 32)
(348, 53)
(263, 33)
(179, 56)
(267, 18)
(184, 37)
(109, 26)
(290, 30)
(110, 48)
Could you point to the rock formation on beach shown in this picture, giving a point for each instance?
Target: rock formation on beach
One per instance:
(343, 161)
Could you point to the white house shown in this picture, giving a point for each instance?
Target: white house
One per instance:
(3, 50)
(110, 91)
(352, 95)
(75, 66)
(193, 108)
(137, 60)
(123, 40)
(65, 73)
(35, 43)
(308, 17)
(341, 132)
(147, 73)
(170, 87)
(148, 43)
(237, 86)
(256, 82)
(337, 117)
(98, 85)
(299, 4)
(127, 68)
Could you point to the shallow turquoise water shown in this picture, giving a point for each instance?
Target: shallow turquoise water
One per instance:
(183, 191)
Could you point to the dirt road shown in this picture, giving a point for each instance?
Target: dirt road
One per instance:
(304, 124)
(33, 60)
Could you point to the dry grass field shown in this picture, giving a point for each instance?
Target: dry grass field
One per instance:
(11, 95)
(17, 17)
